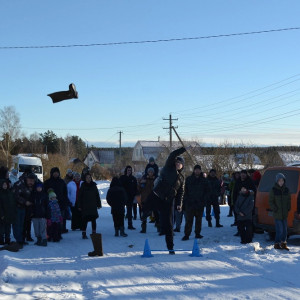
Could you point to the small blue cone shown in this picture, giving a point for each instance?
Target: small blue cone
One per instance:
(212, 213)
(203, 214)
(196, 250)
(147, 250)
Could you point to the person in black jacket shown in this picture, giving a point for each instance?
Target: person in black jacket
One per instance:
(88, 203)
(195, 198)
(129, 183)
(40, 214)
(246, 182)
(169, 188)
(213, 200)
(116, 198)
(60, 189)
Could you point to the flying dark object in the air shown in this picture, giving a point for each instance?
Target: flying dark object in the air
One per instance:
(64, 95)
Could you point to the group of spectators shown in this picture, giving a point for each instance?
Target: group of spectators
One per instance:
(25, 201)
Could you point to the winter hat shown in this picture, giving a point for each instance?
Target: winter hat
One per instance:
(53, 170)
(180, 159)
(69, 171)
(151, 159)
(213, 170)
(226, 176)
(39, 184)
(76, 174)
(150, 170)
(52, 195)
(244, 171)
(280, 176)
(31, 176)
(197, 167)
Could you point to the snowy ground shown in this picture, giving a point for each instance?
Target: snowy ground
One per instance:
(226, 270)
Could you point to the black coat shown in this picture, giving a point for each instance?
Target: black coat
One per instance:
(129, 183)
(60, 189)
(215, 186)
(247, 183)
(40, 205)
(196, 192)
(116, 198)
(89, 199)
(170, 184)
(8, 206)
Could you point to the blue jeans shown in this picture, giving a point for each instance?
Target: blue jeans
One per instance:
(281, 231)
(19, 225)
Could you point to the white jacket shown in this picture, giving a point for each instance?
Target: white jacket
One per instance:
(72, 188)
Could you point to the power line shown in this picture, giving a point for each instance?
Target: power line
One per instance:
(150, 41)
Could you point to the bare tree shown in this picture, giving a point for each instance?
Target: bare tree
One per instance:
(9, 130)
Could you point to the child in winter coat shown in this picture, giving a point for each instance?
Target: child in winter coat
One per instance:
(39, 214)
(243, 209)
(8, 211)
(280, 204)
(117, 198)
(55, 219)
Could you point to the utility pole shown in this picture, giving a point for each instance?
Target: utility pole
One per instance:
(120, 143)
(170, 127)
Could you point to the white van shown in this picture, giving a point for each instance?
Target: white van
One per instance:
(22, 163)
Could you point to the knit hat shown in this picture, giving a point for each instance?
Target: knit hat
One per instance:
(69, 171)
(151, 159)
(180, 159)
(39, 184)
(197, 167)
(280, 176)
(52, 195)
(150, 170)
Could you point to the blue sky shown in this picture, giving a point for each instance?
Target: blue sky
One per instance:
(242, 89)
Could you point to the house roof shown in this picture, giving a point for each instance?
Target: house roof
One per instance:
(103, 156)
(163, 144)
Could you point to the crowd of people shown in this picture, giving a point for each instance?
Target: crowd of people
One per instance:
(165, 197)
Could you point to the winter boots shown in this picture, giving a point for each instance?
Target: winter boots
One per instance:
(218, 223)
(117, 231)
(39, 241)
(84, 237)
(97, 243)
(284, 246)
(185, 238)
(144, 227)
(122, 232)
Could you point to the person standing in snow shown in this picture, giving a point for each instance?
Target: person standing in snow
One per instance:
(145, 188)
(8, 211)
(73, 192)
(116, 198)
(88, 203)
(243, 209)
(129, 183)
(280, 204)
(195, 197)
(169, 188)
(39, 214)
(54, 218)
(60, 189)
(213, 200)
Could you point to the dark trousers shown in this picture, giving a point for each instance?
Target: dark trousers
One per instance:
(149, 206)
(19, 225)
(27, 224)
(118, 219)
(54, 231)
(129, 212)
(76, 221)
(190, 214)
(85, 221)
(215, 203)
(5, 229)
(166, 214)
(245, 230)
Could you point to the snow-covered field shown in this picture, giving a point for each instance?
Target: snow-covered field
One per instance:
(227, 270)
